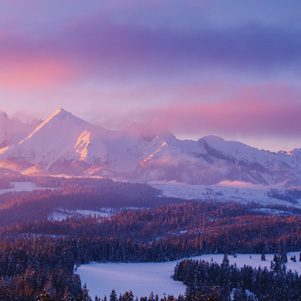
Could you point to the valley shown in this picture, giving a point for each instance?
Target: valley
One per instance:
(68, 222)
(150, 150)
(128, 205)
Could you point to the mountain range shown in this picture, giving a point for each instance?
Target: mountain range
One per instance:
(66, 145)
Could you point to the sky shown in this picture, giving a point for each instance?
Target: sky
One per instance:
(228, 68)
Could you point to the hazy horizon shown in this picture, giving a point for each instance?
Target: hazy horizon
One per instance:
(254, 142)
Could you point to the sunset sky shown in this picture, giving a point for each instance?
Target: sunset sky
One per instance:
(228, 68)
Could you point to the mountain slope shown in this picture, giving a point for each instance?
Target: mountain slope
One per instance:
(12, 130)
(65, 144)
(55, 141)
(211, 160)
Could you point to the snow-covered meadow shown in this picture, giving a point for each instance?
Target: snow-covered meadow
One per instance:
(140, 278)
(144, 278)
(253, 260)
(224, 192)
(62, 214)
(20, 186)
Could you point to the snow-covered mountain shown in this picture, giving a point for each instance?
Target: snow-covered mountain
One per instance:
(65, 144)
(12, 130)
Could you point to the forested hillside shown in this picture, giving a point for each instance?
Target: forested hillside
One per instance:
(41, 255)
(210, 281)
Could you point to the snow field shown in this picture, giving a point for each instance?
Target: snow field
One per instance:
(140, 278)
(254, 260)
(144, 278)
(242, 194)
(21, 186)
(62, 214)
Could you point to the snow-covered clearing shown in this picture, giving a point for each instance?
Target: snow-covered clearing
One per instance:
(253, 260)
(224, 193)
(140, 278)
(143, 278)
(272, 211)
(20, 186)
(62, 214)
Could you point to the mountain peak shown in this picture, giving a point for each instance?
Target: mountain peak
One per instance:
(58, 117)
(3, 114)
(149, 130)
(60, 111)
(213, 139)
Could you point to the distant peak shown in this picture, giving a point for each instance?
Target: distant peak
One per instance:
(35, 122)
(212, 138)
(148, 130)
(3, 114)
(294, 151)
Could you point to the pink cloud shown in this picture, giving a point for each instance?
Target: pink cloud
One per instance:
(35, 75)
(105, 46)
(25, 66)
(272, 109)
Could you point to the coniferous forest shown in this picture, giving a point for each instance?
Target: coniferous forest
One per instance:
(150, 150)
(210, 281)
(39, 256)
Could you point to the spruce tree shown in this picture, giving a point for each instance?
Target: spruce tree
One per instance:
(85, 294)
(113, 296)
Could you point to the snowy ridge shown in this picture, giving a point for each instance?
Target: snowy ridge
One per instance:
(66, 144)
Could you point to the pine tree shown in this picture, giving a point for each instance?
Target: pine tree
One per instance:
(225, 262)
(215, 294)
(294, 258)
(113, 296)
(283, 257)
(239, 294)
(180, 298)
(85, 294)
(151, 296)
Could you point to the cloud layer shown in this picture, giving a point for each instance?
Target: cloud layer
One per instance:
(256, 110)
(99, 46)
(194, 66)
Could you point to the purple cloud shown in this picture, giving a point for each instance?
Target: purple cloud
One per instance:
(130, 49)
(99, 46)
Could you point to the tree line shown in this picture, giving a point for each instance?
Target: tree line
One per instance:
(38, 258)
(211, 281)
